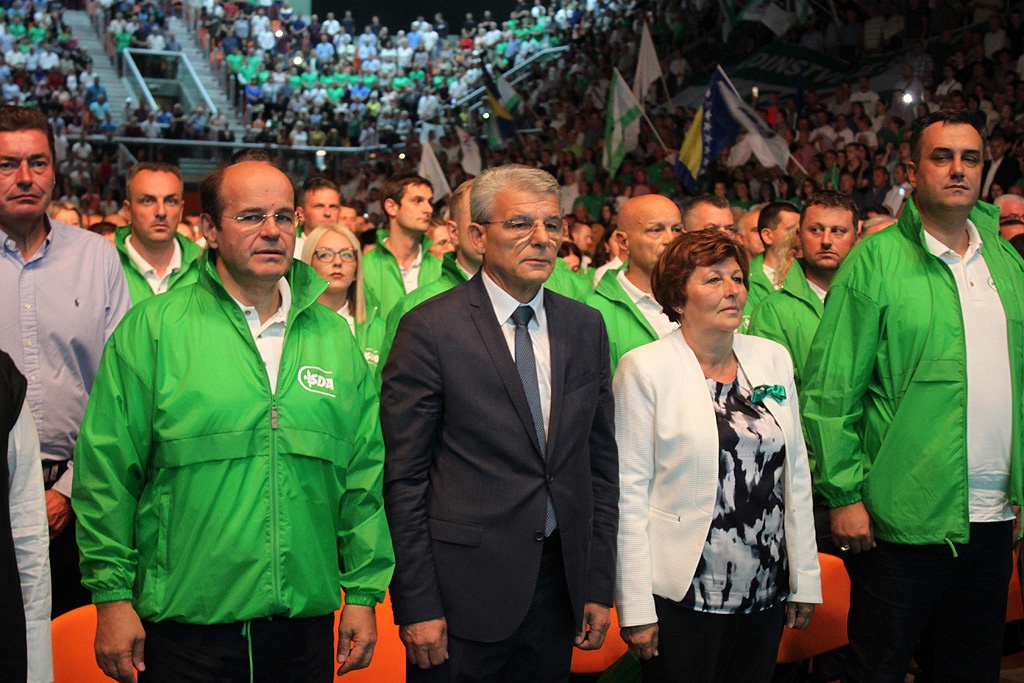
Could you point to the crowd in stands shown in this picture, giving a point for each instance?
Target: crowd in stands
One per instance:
(337, 82)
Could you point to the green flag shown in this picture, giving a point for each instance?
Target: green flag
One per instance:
(621, 125)
(831, 177)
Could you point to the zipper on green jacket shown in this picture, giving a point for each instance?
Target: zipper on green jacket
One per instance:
(274, 540)
(950, 279)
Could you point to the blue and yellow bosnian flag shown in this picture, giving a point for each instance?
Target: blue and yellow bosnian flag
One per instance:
(720, 119)
(504, 122)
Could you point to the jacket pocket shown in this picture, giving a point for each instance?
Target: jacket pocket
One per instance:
(471, 535)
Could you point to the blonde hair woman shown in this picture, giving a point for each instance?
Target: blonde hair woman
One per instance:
(65, 212)
(334, 253)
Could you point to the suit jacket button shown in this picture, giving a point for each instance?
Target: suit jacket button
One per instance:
(538, 536)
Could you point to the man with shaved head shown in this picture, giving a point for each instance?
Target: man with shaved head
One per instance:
(632, 316)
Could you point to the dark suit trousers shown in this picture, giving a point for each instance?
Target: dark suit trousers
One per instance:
(540, 650)
(278, 650)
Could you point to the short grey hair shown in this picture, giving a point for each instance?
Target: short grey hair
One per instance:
(1008, 198)
(507, 178)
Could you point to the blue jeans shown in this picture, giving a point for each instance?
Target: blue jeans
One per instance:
(954, 605)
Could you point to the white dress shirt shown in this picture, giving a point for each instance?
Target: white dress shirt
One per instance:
(504, 305)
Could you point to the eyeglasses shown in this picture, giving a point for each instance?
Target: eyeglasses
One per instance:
(325, 255)
(284, 220)
(1011, 218)
(521, 225)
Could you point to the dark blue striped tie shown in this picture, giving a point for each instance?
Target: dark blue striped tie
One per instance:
(526, 364)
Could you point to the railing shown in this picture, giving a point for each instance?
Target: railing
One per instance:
(165, 68)
(514, 75)
(196, 158)
(136, 83)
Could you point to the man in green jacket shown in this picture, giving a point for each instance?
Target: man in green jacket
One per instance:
(631, 315)
(400, 262)
(456, 267)
(228, 492)
(790, 316)
(155, 257)
(776, 225)
(319, 204)
(913, 403)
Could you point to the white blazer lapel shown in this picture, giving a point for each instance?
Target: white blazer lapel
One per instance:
(759, 373)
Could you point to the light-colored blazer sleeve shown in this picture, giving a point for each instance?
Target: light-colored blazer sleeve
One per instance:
(668, 471)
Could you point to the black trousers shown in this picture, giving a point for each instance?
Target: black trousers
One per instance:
(277, 650)
(539, 651)
(702, 647)
(65, 573)
(954, 605)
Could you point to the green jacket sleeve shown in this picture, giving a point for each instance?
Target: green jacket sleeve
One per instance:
(364, 542)
(111, 455)
(765, 322)
(836, 376)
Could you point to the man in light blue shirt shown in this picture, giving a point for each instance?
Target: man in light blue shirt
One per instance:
(63, 294)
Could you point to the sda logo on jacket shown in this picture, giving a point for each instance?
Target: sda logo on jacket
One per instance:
(317, 380)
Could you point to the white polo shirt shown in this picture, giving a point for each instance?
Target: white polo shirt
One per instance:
(648, 306)
(156, 283)
(989, 390)
(269, 335)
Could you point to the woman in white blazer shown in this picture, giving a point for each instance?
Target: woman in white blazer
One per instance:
(716, 543)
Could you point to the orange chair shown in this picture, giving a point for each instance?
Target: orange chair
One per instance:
(388, 664)
(828, 625)
(74, 660)
(596, 661)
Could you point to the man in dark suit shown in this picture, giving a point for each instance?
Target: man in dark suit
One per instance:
(501, 473)
(1001, 170)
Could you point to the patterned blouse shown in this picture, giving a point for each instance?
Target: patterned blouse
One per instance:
(743, 566)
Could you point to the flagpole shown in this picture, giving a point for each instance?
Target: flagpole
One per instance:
(798, 164)
(661, 72)
(654, 130)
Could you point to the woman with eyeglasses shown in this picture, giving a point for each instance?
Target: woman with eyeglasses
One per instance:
(335, 254)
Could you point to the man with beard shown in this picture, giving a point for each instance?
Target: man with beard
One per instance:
(790, 315)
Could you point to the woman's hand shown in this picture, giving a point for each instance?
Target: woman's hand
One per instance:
(642, 640)
(798, 614)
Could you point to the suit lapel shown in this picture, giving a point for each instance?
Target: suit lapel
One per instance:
(494, 341)
(559, 358)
